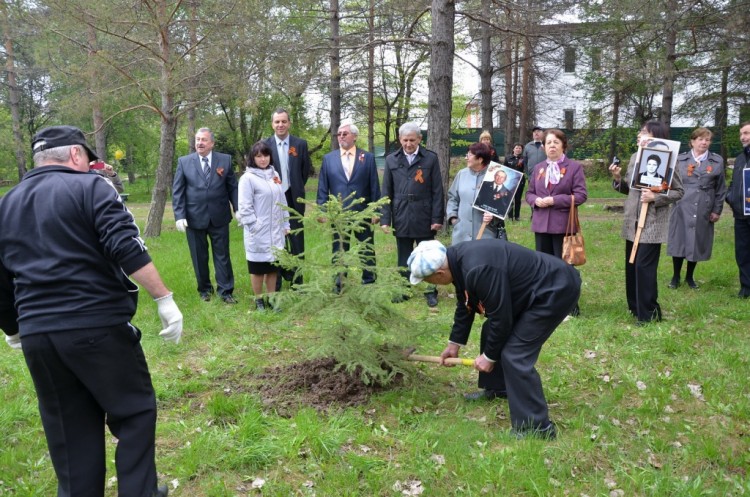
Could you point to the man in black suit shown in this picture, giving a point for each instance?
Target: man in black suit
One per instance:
(346, 171)
(204, 187)
(292, 161)
(493, 196)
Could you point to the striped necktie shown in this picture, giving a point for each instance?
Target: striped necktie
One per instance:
(206, 169)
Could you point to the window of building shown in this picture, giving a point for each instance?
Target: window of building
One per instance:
(570, 59)
(569, 118)
(595, 116)
(596, 59)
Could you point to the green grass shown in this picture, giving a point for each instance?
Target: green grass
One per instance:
(621, 395)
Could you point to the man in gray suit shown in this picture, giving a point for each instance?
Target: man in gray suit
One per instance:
(203, 189)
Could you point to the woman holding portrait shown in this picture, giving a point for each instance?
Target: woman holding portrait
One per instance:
(465, 219)
(640, 277)
(691, 221)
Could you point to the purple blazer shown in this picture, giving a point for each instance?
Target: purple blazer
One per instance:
(553, 220)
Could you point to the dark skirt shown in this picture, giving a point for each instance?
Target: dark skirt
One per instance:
(261, 267)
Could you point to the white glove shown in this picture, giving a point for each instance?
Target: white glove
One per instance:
(171, 319)
(237, 216)
(14, 341)
(181, 225)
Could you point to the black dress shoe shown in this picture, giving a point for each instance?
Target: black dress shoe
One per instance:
(229, 299)
(205, 297)
(486, 395)
(260, 304)
(744, 294)
(549, 432)
(162, 491)
(398, 299)
(674, 283)
(432, 300)
(692, 284)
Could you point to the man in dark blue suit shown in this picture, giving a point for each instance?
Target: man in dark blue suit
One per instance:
(204, 188)
(291, 160)
(350, 170)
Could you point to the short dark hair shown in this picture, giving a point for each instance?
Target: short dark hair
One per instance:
(654, 157)
(281, 110)
(517, 145)
(481, 151)
(657, 129)
(259, 148)
(559, 135)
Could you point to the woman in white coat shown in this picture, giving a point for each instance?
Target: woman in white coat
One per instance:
(265, 223)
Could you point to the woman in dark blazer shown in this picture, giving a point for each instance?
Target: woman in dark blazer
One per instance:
(551, 185)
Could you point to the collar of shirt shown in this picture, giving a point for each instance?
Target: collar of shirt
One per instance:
(208, 157)
(350, 151)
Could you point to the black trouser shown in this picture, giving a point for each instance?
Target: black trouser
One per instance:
(742, 252)
(84, 378)
(641, 281)
(518, 198)
(404, 248)
(367, 237)
(198, 245)
(515, 371)
(295, 245)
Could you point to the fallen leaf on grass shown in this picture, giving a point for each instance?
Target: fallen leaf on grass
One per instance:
(589, 354)
(653, 461)
(696, 391)
(308, 484)
(409, 487)
(175, 483)
(438, 458)
(258, 483)
(640, 385)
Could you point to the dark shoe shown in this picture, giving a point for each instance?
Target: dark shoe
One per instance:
(692, 284)
(229, 299)
(400, 298)
(485, 395)
(744, 294)
(674, 283)
(549, 432)
(575, 312)
(432, 300)
(260, 305)
(205, 297)
(162, 491)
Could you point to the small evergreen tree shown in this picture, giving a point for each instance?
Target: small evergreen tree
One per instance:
(359, 325)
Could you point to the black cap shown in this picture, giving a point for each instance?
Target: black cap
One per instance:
(537, 128)
(60, 136)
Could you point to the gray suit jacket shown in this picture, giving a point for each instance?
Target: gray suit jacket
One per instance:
(204, 203)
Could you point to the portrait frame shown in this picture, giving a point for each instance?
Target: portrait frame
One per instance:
(497, 204)
(664, 154)
(746, 191)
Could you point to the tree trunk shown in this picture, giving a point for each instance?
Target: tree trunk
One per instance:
(163, 180)
(510, 101)
(723, 112)
(335, 58)
(371, 80)
(97, 117)
(191, 124)
(14, 95)
(485, 69)
(525, 92)
(441, 84)
(615, 104)
(670, 68)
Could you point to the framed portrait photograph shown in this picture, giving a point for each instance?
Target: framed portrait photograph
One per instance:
(498, 188)
(655, 165)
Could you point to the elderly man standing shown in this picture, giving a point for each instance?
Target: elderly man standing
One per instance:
(203, 190)
(413, 183)
(533, 152)
(351, 171)
(524, 295)
(67, 244)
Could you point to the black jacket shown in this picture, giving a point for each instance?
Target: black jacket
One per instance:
(416, 193)
(67, 244)
(735, 194)
(503, 280)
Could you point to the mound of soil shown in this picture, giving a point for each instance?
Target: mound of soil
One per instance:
(317, 383)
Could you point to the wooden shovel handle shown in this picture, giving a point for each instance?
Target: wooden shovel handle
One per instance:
(457, 361)
(638, 231)
(481, 231)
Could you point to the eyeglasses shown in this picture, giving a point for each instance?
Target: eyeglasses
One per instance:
(343, 133)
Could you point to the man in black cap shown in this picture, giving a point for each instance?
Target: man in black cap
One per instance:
(533, 152)
(524, 295)
(67, 246)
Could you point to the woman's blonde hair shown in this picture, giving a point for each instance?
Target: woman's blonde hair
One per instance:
(486, 134)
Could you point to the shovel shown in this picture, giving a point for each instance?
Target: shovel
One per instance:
(455, 361)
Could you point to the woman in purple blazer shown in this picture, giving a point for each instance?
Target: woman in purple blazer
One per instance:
(551, 185)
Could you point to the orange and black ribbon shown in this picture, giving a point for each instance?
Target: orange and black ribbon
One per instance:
(418, 177)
